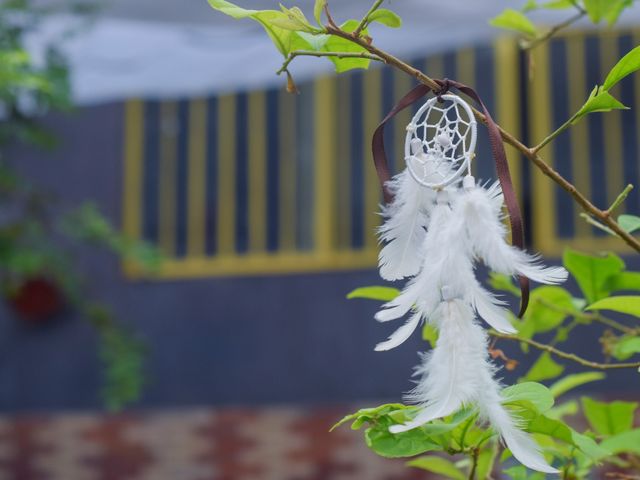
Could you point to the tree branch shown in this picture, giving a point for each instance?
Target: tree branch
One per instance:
(311, 53)
(530, 153)
(565, 355)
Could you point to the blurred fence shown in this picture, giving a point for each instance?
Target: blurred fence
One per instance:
(268, 182)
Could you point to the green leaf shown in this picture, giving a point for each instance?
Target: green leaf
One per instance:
(281, 37)
(592, 272)
(630, 223)
(230, 9)
(293, 19)
(430, 334)
(405, 444)
(625, 442)
(386, 17)
(317, 10)
(384, 294)
(629, 304)
(536, 393)
(625, 66)
(623, 281)
(570, 382)
(608, 10)
(626, 348)
(609, 418)
(511, 19)
(486, 460)
(368, 414)
(549, 306)
(599, 101)
(562, 410)
(308, 41)
(338, 44)
(438, 465)
(521, 472)
(499, 281)
(544, 368)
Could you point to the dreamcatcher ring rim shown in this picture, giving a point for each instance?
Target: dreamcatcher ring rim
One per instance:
(468, 154)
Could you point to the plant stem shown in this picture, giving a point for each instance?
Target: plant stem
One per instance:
(311, 53)
(555, 29)
(530, 153)
(595, 223)
(620, 198)
(363, 24)
(568, 356)
(474, 465)
(554, 134)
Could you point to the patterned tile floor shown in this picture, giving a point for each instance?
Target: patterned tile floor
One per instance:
(194, 444)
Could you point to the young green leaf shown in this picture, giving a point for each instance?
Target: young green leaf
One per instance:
(438, 465)
(230, 9)
(608, 10)
(503, 282)
(629, 304)
(536, 393)
(623, 281)
(625, 442)
(544, 368)
(570, 382)
(386, 17)
(384, 294)
(599, 101)
(399, 445)
(609, 418)
(625, 66)
(511, 19)
(630, 223)
(591, 272)
(293, 19)
(317, 10)
(486, 460)
(548, 307)
(368, 414)
(626, 348)
(429, 334)
(338, 44)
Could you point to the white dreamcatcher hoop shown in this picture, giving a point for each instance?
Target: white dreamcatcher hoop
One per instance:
(440, 141)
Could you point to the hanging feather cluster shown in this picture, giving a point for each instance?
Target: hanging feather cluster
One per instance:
(433, 238)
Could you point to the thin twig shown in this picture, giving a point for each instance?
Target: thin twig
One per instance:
(554, 134)
(555, 29)
(568, 356)
(362, 25)
(311, 53)
(474, 465)
(619, 199)
(587, 218)
(510, 139)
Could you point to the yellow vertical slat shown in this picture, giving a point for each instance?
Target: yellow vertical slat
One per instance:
(343, 163)
(325, 142)
(226, 175)
(133, 169)
(612, 130)
(372, 93)
(287, 127)
(257, 172)
(508, 106)
(167, 197)
(636, 96)
(465, 66)
(579, 132)
(196, 191)
(544, 215)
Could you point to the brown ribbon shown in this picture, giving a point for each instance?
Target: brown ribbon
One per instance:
(499, 155)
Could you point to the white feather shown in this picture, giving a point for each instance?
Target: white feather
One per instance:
(481, 210)
(403, 231)
(457, 373)
(489, 308)
(401, 334)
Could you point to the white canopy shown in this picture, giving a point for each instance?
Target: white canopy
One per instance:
(166, 48)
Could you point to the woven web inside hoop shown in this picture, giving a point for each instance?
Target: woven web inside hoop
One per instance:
(440, 141)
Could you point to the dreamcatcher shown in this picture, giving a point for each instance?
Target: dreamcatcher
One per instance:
(438, 224)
